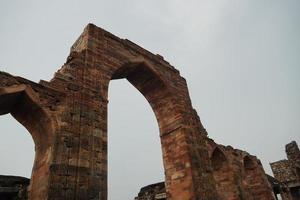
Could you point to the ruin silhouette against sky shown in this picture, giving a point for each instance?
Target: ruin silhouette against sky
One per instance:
(240, 60)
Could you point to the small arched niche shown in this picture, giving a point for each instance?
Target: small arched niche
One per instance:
(249, 164)
(298, 172)
(218, 159)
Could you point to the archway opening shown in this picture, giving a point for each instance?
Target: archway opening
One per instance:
(22, 103)
(16, 148)
(155, 91)
(134, 150)
(167, 106)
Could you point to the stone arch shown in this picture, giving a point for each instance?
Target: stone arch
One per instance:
(80, 163)
(166, 107)
(153, 87)
(22, 103)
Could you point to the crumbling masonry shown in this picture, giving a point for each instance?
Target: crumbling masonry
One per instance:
(237, 174)
(287, 172)
(67, 118)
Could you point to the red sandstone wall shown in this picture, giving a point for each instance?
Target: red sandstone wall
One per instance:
(238, 175)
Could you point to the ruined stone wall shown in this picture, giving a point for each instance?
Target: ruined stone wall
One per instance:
(67, 118)
(155, 191)
(288, 172)
(238, 174)
(293, 152)
(283, 171)
(293, 155)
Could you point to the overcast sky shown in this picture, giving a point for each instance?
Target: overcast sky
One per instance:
(241, 60)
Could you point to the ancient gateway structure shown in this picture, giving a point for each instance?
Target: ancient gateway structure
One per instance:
(67, 118)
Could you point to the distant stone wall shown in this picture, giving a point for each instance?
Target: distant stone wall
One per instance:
(13, 187)
(288, 172)
(283, 171)
(293, 153)
(155, 191)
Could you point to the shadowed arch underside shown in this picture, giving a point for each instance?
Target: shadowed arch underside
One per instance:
(249, 164)
(142, 76)
(298, 172)
(223, 175)
(218, 159)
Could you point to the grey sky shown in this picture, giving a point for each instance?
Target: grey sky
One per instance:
(240, 59)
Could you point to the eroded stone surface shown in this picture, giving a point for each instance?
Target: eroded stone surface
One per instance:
(237, 174)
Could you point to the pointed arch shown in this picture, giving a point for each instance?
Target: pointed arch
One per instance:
(143, 76)
(23, 104)
(97, 58)
(218, 159)
(167, 93)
